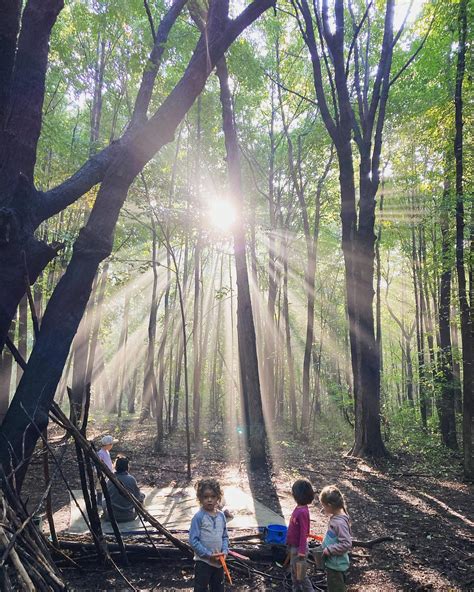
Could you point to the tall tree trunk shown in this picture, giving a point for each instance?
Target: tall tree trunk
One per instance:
(358, 239)
(122, 353)
(101, 380)
(197, 293)
(250, 381)
(378, 305)
(91, 358)
(428, 318)
(368, 438)
(456, 364)
(162, 365)
(465, 307)
(310, 269)
(269, 331)
(149, 381)
(289, 351)
(132, 391)
(80, 348)
(181, 346)
(420, 340)
(447, 416)
(409, 366)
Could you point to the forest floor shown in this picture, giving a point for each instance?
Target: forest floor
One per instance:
(429, 513)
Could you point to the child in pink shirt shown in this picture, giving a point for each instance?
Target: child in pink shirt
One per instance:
(297, 536)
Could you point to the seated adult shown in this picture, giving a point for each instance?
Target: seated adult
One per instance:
(122, 507)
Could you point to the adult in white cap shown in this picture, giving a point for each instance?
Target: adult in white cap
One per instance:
(104, 454)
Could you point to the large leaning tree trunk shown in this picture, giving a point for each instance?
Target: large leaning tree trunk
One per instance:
(340, 67)
(247, 343)
(116, 168)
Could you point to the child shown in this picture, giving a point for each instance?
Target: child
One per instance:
(208, 537)
(338, 540)
(297, 536)
(104, 454)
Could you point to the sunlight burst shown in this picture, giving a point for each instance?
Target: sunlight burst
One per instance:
(222, 214)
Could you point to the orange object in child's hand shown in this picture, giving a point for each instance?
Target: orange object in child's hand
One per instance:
(315, 537)
(221, 558)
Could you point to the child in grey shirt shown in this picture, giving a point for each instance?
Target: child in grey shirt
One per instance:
(208, 537)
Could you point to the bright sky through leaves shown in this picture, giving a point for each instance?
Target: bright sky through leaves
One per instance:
(401, 8)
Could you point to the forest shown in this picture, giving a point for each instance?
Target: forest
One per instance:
(236, 243)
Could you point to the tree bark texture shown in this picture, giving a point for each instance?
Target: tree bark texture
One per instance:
(465, 304)
(447, 416)
(247, 345)
(358, 236)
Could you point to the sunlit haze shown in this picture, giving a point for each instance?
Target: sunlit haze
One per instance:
(221, 215)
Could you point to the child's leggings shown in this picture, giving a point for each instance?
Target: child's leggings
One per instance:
(303, 585)
(336, 580)
(208, 578)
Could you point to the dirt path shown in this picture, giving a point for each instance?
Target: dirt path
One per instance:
(430, 517)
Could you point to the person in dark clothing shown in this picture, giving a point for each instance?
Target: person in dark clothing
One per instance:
(123, 508)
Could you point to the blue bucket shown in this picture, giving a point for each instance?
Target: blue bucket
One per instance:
(276, 533)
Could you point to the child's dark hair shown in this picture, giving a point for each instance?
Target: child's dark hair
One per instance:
(211, 484)
(303, 492)
(121, 464)
(332, 496)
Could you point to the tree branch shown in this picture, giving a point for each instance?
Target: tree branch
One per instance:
(293, 92)
(151, 70)
(150, 20)
(309, 37)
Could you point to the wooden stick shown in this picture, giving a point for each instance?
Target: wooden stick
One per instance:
(47, 479)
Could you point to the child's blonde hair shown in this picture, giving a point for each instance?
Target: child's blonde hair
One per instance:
(332, 496)
(211, 484)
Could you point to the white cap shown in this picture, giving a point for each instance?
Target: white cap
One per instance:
(106, 440)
